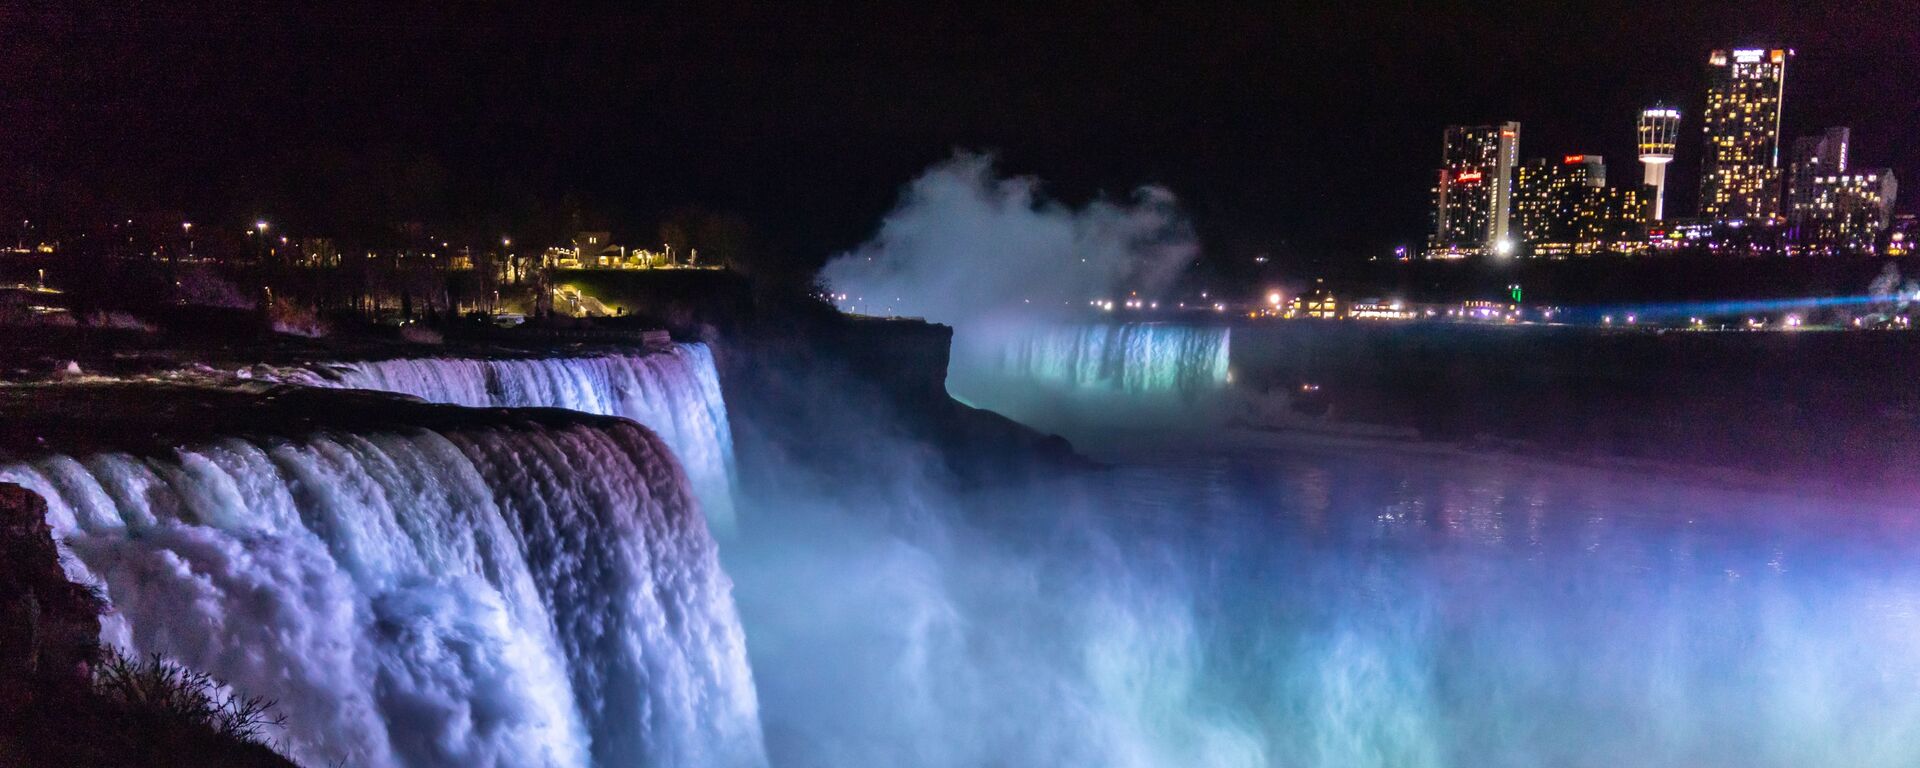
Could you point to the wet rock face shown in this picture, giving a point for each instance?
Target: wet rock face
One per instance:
(52, 711)
(49, 635)
(49, 626)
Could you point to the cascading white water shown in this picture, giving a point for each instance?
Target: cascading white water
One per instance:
(1062, 376)
(1132, 358)
(505, 594)
(676, 393)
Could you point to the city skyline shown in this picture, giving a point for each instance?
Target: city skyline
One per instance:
(1750, 201)
(351, 118)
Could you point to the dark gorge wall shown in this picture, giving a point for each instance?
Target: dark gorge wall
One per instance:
(813, 385)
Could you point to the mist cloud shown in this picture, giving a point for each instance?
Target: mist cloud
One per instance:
(965, 243)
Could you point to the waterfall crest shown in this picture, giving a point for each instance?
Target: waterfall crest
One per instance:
(507, 593)
(1131, 358)
(1066, 377)
(676, 393)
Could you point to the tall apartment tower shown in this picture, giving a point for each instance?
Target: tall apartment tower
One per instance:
(1814, 157)
(1740, 175)
(1473, 199)
(1659, 129)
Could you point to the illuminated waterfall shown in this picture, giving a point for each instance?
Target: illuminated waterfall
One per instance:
(675, 393)
(1133, 358)
(510, 593)
(1056, 376)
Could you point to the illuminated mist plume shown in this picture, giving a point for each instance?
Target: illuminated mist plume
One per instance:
(964, 243)
(1239, 606)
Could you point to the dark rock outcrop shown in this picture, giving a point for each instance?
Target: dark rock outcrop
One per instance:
(54, 709)
(49, 626)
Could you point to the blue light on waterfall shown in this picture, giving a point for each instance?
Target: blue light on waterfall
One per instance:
(675, 393)
(496, 595)
(1135, 358)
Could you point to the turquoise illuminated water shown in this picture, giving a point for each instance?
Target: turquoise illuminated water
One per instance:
(1221, 596)
(1253, 601)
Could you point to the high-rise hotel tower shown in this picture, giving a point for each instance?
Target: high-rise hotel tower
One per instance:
(1740, 176)
(1473, 199)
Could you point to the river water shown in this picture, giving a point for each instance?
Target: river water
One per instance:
(1230, 597)
(544, 594)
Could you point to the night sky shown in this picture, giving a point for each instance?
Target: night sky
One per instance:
(1305, 131)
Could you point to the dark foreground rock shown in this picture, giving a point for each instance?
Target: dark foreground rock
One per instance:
(64, 702)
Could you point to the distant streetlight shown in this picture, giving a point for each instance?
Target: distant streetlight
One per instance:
(266, 247)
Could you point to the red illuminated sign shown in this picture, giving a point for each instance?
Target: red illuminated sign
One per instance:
(1575, 159)
(1468, 176)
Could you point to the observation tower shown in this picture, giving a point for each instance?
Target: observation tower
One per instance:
(1659, 127)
